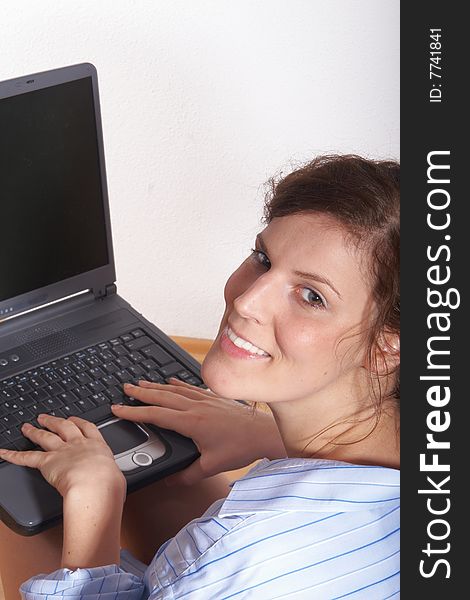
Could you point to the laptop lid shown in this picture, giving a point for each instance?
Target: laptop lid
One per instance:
(56, 233)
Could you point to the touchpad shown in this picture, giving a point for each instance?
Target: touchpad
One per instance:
(122, 436)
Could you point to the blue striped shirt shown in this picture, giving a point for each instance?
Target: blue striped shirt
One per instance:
(290, 528)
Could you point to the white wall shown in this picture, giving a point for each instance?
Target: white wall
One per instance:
(202, 101)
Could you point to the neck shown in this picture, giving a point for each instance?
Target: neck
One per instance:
(363, 437)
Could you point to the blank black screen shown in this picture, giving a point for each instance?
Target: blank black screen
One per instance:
(52, 218)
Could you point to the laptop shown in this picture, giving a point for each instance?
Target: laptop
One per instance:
(68, 341)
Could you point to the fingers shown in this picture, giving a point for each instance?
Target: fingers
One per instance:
(42, 437)
(163, 417)
(87, 429)
(31, 458)
(177, 382)
(64, 428)
(183, 391)
(161, 396)
(59, 431)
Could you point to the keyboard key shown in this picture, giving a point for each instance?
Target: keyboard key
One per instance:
(138, 343)
(136, 357)
(12, 434)
(96, 386)
(9, 421)
(8, 394)
(115, 342)
(68, 397)
(24, 415)
(109, 381)
(149, 364)
(24, 400)
(123, 376)
(37, 382)
(100, 399)
(78, 367)
(96, 373)
(184, 375)
(23, 388)
(10, 406)
(56, 412)
(51, 376)
(120, 351)
(127, 337)
(194, 381)
(38, 395)
(66, 360)
(83, 378)
(53, 389)
(92, 361)
(97, 414)
(136, 371)
(85, 404)
(66, 371)
(51, 404)
(70, 410)
(68, 383)
(82, 391)
(123, 362)
(171, 369)
(137, 333)
(106, 355)
(110, 368)
(115, 394)
(158, 354)
(23, 444)
(154, 377)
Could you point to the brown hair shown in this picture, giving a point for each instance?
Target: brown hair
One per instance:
(363, 195)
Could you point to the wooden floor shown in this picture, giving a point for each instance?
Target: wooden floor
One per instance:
(197, 348)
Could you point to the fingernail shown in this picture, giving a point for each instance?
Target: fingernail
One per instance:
(128, 385)
(116, 406)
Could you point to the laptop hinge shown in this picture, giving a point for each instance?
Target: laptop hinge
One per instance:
(108, 290)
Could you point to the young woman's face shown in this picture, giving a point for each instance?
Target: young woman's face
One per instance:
(291, 309)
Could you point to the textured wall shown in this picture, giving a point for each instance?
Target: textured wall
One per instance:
(202, 101)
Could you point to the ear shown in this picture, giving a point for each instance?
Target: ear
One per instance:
(387, 353)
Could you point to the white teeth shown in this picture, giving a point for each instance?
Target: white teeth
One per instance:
(245, 344)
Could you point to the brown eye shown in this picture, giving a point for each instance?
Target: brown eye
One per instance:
(311, 297)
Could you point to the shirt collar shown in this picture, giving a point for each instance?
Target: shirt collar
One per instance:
(312, 485)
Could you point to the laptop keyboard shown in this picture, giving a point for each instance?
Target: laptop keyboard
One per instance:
(84, 383)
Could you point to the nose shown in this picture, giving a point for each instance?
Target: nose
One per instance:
(258, 301)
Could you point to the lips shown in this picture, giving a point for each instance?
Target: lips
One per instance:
(240, 346)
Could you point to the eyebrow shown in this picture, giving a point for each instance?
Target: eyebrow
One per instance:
(313, 276)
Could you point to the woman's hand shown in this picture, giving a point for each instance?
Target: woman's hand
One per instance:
(74, 449)
(228, 434)
(80, 465)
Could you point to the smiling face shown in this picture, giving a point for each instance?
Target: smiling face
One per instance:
(291, 309)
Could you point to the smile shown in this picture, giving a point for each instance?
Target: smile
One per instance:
(245, 346)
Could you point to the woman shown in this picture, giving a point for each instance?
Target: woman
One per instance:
(311, 327)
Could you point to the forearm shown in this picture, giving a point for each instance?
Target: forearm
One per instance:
(92, 525)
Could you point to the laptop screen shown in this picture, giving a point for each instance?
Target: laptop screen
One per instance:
(52, 218)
